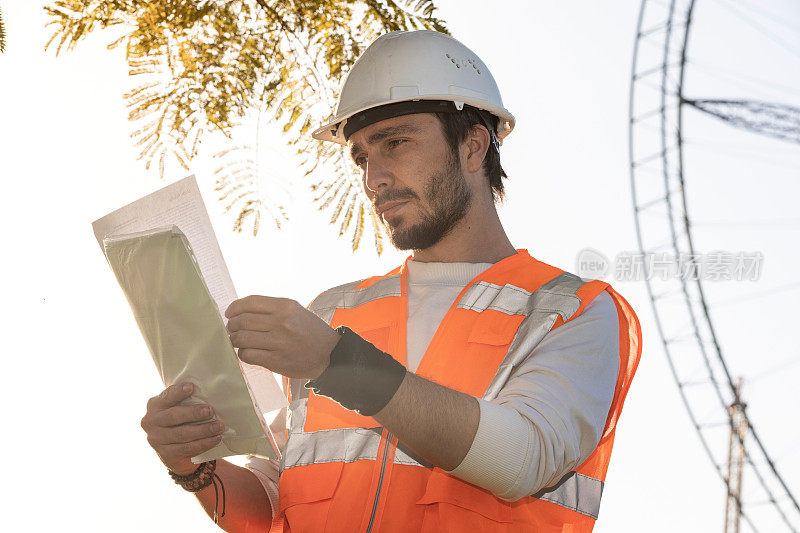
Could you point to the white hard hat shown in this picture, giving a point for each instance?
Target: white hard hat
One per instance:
(406, 72)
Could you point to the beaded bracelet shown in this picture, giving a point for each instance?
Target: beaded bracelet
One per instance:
(198, 479)
(202, 477)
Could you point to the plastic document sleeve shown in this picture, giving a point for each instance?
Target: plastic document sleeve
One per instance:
(186, 335)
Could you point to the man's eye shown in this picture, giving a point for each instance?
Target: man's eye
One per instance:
(396, 142)
(360, 161)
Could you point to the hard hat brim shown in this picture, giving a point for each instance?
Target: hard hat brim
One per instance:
(333, 131)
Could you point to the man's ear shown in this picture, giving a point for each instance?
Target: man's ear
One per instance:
(476, 144)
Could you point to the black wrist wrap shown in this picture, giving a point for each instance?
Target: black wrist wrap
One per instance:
(360, 377)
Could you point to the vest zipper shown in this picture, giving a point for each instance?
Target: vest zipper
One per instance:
(380, 482)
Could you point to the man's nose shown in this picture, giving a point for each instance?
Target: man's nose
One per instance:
(377, 174)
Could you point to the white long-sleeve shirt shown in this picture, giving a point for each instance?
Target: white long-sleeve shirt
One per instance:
(550, 414)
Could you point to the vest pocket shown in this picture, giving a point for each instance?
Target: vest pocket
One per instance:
(487, 337)
(455, 505)
(494, 328)
(305, 499)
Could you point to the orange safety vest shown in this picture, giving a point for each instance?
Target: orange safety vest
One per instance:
(343, 472)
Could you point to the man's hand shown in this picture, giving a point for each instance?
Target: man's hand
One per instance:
(170, 430)
(280, 335)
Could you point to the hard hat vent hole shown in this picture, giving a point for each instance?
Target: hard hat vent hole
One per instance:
(463, 62)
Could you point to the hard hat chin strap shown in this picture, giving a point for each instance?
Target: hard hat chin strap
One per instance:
(492, 136)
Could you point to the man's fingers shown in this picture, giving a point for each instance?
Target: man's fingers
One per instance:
(170, 396)
(182, 414)
(189, 449)
(252, 339)
(257, 304)
(185, 433)
(255, 356)
(250, 321)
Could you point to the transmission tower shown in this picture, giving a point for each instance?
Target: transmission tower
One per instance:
(738, 421)
(659, 103)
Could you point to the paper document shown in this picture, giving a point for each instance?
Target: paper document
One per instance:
(135, 239)
(179, 204)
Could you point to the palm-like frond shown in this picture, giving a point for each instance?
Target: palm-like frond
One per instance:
(237, 184)
(2, 34)
(203, 66)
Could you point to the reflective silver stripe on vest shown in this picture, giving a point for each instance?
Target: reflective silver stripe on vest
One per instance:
(541, 307)
(299, 391)
(335, 445)
(348, 297)
(516, 301)
(529, 334)
(297, 415)
(331, 446)
(565, 283)
(327, 446)
(577, 492)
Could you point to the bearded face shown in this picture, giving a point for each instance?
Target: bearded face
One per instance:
(429, 215)
(413, 178)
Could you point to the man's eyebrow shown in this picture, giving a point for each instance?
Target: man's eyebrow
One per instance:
(384, 133)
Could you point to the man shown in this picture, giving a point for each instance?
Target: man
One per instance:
(473, 388)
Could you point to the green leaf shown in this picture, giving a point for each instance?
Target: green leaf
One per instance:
(2, 34)
(206, 67)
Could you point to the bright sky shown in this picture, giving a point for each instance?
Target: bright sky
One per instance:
(78, 374)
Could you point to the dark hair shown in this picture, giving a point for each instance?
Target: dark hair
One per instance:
(457, 126)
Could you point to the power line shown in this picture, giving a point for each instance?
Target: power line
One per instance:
(756, 295)
(792, 221)
(774, 370)
(761, 29)
(738, 77)
(763, 12)
(741, 154)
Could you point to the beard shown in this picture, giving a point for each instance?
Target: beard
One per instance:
(447, 197)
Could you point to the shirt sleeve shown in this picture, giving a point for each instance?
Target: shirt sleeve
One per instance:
(549, 416)
(266, 470)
